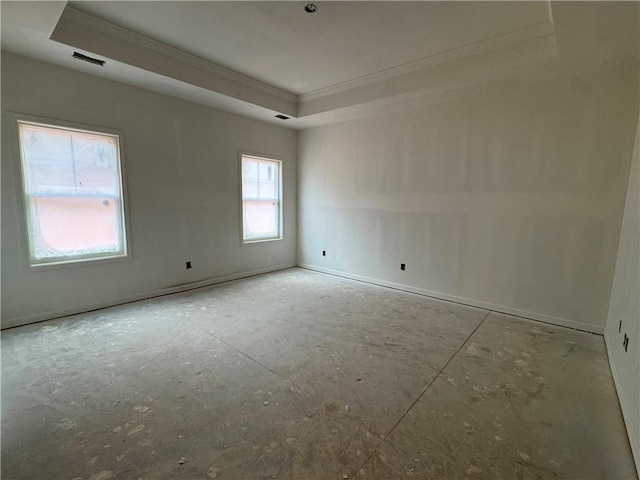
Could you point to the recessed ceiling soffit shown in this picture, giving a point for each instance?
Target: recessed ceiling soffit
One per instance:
(478, 61)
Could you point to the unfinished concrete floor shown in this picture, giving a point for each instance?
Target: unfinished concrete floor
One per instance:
(302, 375)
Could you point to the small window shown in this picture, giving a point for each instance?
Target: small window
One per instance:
(72, 186)
(261, 199)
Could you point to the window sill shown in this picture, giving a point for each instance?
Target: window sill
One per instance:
(260, 240)
(78, 262)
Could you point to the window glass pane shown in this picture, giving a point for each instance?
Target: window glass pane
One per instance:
(249, 179)
(260, 219)
(96, 164)
(268, 185)
(46, 159)
(72, 185)
(74, 226)
(62, 161)
(260, 195)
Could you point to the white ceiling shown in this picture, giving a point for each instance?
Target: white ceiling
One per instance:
(280, 44)
(348, 59)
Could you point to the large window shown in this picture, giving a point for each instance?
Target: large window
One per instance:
(72, 186)
(261, 199)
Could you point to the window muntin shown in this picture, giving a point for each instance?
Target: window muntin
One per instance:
(72, 187)
(261, 199)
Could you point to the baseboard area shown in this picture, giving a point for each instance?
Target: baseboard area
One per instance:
(15, 322)
(26, 320)
(624, 406)
(558, 321)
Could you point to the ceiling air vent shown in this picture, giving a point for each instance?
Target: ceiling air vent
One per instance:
(85, 58)
(282, 117)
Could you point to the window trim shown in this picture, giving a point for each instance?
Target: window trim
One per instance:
(270, 158)
(22, 197)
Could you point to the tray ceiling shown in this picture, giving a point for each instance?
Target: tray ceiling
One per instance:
(278, 43)
(266, 58)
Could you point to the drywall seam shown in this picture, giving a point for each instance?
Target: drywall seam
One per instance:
(561, 322)
(624, 405)
(20, 321)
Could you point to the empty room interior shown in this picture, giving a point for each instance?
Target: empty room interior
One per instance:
(330, 240)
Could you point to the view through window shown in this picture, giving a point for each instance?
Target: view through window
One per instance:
(73, 193)
(261, 202)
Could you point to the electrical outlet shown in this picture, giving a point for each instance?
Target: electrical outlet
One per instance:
(188, 265)
(402, 266)
(324, 253)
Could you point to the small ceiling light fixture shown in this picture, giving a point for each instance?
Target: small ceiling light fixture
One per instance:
(310, 8)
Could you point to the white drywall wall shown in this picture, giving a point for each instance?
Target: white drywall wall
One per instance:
(182, 169)
(508, 197)
(625, 307)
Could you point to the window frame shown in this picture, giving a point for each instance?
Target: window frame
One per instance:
(31, 263)
(269, 158)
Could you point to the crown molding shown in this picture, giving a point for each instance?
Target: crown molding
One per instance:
(109, 28)
(542, 29)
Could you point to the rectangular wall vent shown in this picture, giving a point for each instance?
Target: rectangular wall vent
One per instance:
(85, 58)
